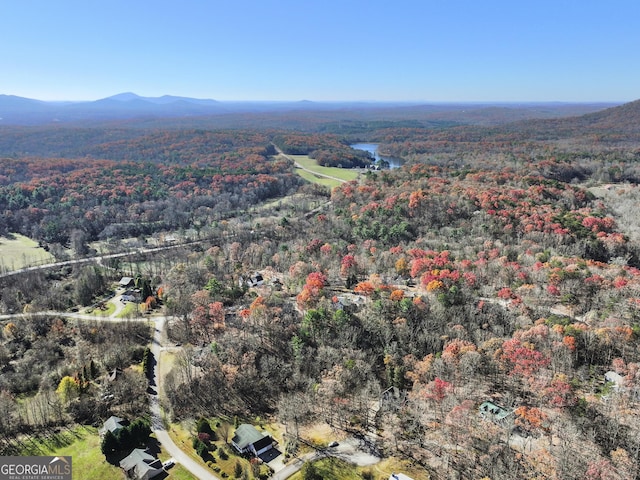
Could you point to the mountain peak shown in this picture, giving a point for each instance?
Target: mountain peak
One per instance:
(124, 97)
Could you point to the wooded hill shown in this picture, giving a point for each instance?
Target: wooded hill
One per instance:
(492, 269)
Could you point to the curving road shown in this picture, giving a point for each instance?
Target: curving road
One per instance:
(298, 165)
(157, 424)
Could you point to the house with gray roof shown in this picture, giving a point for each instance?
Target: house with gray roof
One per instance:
(112, 424)
(247, 439)
(494, 412)
(141, 465)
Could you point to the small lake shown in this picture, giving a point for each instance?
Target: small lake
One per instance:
(372, 148)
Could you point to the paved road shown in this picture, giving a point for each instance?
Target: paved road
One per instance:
(157, 425)
(97, 259)
(298, 165)
(79, 316)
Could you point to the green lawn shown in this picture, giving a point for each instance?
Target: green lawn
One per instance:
(182, 435)
(131, 310)
(21, 251)
(345, 174)
(312, 178)
(83, 445)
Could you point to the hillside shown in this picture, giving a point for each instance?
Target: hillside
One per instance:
(475, 311)
(131, 110)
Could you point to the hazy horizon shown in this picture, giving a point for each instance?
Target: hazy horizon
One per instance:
(282, 51)
(416, 102)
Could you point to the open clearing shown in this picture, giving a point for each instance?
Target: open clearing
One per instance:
(345, 174)
(20, 251)
(313, 178)
(83, 445)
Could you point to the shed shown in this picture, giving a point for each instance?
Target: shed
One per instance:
(126, 282)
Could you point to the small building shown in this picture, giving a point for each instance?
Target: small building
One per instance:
(255, 280)
(616, 379)
(497, 414)
(247, 439)
(399, 476)
(112, 424)
(141, 465)
(126, 282)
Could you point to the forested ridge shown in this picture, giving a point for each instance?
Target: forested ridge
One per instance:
(499, 264)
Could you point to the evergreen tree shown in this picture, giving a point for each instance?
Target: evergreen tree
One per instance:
(109, 443)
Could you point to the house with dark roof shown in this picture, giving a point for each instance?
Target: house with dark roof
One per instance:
(141, 465)
(247, 439)
(112, 424)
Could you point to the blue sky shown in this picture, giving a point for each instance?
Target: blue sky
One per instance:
(323, 50)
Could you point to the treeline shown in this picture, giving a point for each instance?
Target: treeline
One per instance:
(109, 199)
(328, 150)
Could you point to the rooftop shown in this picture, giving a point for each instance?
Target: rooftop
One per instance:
(246, 435)
(496, 411)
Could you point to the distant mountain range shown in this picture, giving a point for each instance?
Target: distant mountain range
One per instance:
(16, 110)
(129, 107)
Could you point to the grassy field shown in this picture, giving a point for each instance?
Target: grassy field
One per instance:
(131, 310)
(345, 174)
(21, 251)
(83, 445)
(313, 178)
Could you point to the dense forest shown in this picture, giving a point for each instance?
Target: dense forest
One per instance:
(500, 265)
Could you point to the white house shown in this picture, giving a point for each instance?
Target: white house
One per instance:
(616, 379)
(399, 476)
(247, 439)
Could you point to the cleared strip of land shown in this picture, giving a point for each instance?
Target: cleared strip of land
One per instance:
(344, 174)
(19, 251)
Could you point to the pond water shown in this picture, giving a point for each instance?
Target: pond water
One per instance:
(372, 148)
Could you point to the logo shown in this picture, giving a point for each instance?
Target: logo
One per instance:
(35, 468)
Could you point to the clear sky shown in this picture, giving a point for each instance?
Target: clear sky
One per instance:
(392, 50)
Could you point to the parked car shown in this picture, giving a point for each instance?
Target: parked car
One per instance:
(169, 463)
